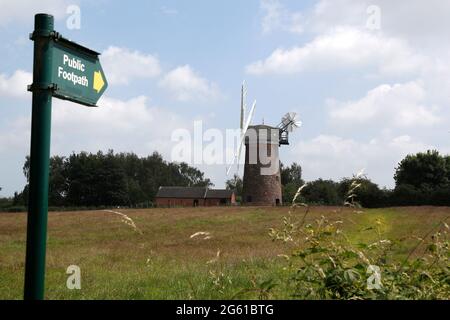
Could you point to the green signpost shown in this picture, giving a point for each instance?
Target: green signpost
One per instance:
(66, 70)
(77, 73)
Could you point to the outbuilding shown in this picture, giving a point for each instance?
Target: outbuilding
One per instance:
(193, 197)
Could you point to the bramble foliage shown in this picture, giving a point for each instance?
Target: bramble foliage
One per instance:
(326, 265)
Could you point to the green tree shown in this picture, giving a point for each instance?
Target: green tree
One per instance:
(193, 177)
(291, 174)
(109, 179)
(447, 167)
(57, 181)
(235, 184)
(368, 194)
(111, 185)
(407, 195)
(422, 179)
(291, 180)
(289, 191)
(427, 170)
(322, 192)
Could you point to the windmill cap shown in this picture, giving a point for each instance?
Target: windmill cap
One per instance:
(262, 126)
(258, 132)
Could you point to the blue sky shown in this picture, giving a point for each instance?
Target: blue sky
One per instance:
(366, 96)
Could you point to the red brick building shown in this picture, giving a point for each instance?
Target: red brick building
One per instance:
(193, 197)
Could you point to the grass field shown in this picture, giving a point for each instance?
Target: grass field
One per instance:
(161, 261)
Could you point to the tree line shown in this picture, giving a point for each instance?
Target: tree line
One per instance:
(420, 179)
(125, 179)
(110, 179)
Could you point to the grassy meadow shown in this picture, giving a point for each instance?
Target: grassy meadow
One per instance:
(159, 260)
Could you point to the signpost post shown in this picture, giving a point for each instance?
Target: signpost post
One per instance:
(66, 70)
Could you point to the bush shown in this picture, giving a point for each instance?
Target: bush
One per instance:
(441, 197)
(325, 265)
(322, 192)
(289, 191)
(16, 209)
(368, 193)
(5, 203)
(406, 195)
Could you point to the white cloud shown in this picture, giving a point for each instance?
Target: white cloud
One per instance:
(276, 16)
(24, 10)
(123, 65)
(424, 22)
(132, 125)
(343, 48)
(15, 135)
(16, 84)
(334, 157)
(326, 14)
(186, 85)
(122, 125)
(399, 105)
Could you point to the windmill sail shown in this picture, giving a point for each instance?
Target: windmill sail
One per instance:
(243, 110)
(243, 132)
(243, 104)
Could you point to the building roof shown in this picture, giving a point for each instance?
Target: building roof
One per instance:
(218, 194)
(262, 126)
(181, 192)
(193, 192)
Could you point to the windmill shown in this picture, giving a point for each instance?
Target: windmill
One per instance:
(244, 124)
(262, 178)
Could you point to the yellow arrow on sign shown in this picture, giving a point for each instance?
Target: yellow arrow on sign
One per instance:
(98, 81)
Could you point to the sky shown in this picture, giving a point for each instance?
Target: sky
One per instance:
(370, 80)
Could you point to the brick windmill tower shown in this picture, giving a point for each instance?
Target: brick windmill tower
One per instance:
(262, 180)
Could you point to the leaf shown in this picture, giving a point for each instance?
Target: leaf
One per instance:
(360, 267)
(317, 250)
(425, 275)
(432, 247)
(362, 245)
(349, 254)
(351, 275)
(267, 284)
